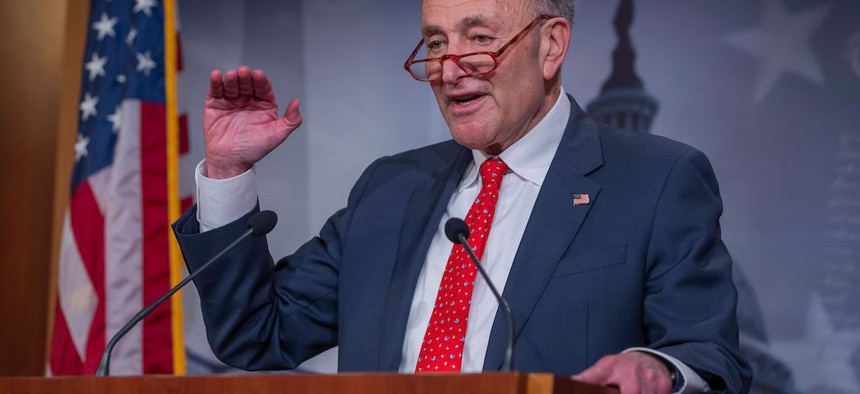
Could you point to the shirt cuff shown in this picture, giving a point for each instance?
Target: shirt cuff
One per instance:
(222, 201)
(691, 382)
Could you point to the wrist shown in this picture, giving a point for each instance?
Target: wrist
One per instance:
(218, 170)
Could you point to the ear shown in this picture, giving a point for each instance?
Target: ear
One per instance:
(555, 39)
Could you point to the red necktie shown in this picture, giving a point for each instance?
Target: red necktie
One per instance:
(442, 349)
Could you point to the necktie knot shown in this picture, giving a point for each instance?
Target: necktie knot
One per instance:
(492, 171)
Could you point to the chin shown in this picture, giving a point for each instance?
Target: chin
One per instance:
(471, 139)
(473, 132)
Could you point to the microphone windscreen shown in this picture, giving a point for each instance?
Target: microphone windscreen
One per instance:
(455, 227)
(262, 222)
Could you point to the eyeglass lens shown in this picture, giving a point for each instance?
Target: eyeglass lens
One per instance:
(475, 64)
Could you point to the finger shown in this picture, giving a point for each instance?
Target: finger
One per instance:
(283, 127)
(246, 86)
(231, 84)
(216, 84)
(599, 374)
(292, 115)
(263, 86)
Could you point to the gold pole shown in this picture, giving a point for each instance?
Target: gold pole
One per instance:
(173, 208)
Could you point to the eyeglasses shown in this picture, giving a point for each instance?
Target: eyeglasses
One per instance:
(473, 63)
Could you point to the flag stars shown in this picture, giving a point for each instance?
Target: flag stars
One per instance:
(144, 6)
(129, 38)
(145, 64)
(105, 26)
(81, 147)
(115, 119)
(96, 66)
(88, 106)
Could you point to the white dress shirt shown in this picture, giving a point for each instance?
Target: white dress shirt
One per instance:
(223, 201)
(528, 160)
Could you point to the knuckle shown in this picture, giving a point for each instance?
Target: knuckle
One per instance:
(649, 374)
(608, 360)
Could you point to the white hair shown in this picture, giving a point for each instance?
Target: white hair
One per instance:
(562, 8)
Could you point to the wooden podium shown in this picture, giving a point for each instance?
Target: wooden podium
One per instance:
(377, 383)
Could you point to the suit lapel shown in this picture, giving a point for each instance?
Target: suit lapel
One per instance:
(427, 204)
(551, 228)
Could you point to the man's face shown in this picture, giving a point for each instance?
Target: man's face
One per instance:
(492, 111)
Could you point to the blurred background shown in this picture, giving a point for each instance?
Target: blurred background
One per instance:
(768, 89)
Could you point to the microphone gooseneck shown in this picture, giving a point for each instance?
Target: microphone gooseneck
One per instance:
(457, 232)
(260, 224)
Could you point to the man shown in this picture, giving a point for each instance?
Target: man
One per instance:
(606, 243)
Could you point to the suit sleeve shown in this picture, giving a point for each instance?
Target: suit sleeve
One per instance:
(262, 316)
(690, 300)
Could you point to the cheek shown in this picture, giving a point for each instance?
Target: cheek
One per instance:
(511, 98)
(519, 81)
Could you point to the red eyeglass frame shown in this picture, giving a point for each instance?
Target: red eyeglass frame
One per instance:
(456, 58)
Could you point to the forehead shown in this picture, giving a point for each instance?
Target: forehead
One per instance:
(448, 14)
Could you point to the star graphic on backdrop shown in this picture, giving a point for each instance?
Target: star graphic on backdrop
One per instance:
(781, 44)
(88, 106)
(132, 34)
(105, 26)
(852, 52)
(115, 119)
(145, 63)
(120, 78)
(81, 147)
(822, 357)
(96, 66)
(145, 6)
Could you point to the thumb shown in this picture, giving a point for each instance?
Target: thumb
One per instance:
(292, 115)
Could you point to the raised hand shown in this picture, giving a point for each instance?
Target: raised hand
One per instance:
(241, 123)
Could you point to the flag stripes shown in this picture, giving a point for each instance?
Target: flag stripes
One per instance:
(115, 256)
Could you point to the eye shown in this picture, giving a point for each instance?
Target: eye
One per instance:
(482, 39)
(434, 44)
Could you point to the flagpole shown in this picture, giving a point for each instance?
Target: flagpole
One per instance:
(173, 208)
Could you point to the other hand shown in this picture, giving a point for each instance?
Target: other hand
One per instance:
(241, 123)
(632, 372)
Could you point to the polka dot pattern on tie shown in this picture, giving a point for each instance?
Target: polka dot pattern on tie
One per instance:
(442, 348)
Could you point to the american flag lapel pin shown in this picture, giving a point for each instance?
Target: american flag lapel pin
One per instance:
(581, 199)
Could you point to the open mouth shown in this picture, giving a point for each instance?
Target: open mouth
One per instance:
(466, 99)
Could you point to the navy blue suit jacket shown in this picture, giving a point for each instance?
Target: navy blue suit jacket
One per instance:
(642, 265)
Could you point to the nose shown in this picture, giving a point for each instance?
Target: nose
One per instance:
(451, 71)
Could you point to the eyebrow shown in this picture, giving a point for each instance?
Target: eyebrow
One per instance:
(463, 25)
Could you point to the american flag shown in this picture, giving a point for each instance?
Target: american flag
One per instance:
(114, 253)
(581, 199)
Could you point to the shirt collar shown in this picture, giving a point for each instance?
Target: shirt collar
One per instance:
(529, 157)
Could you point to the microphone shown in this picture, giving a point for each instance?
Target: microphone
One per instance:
(260, 224)
(458, 232)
